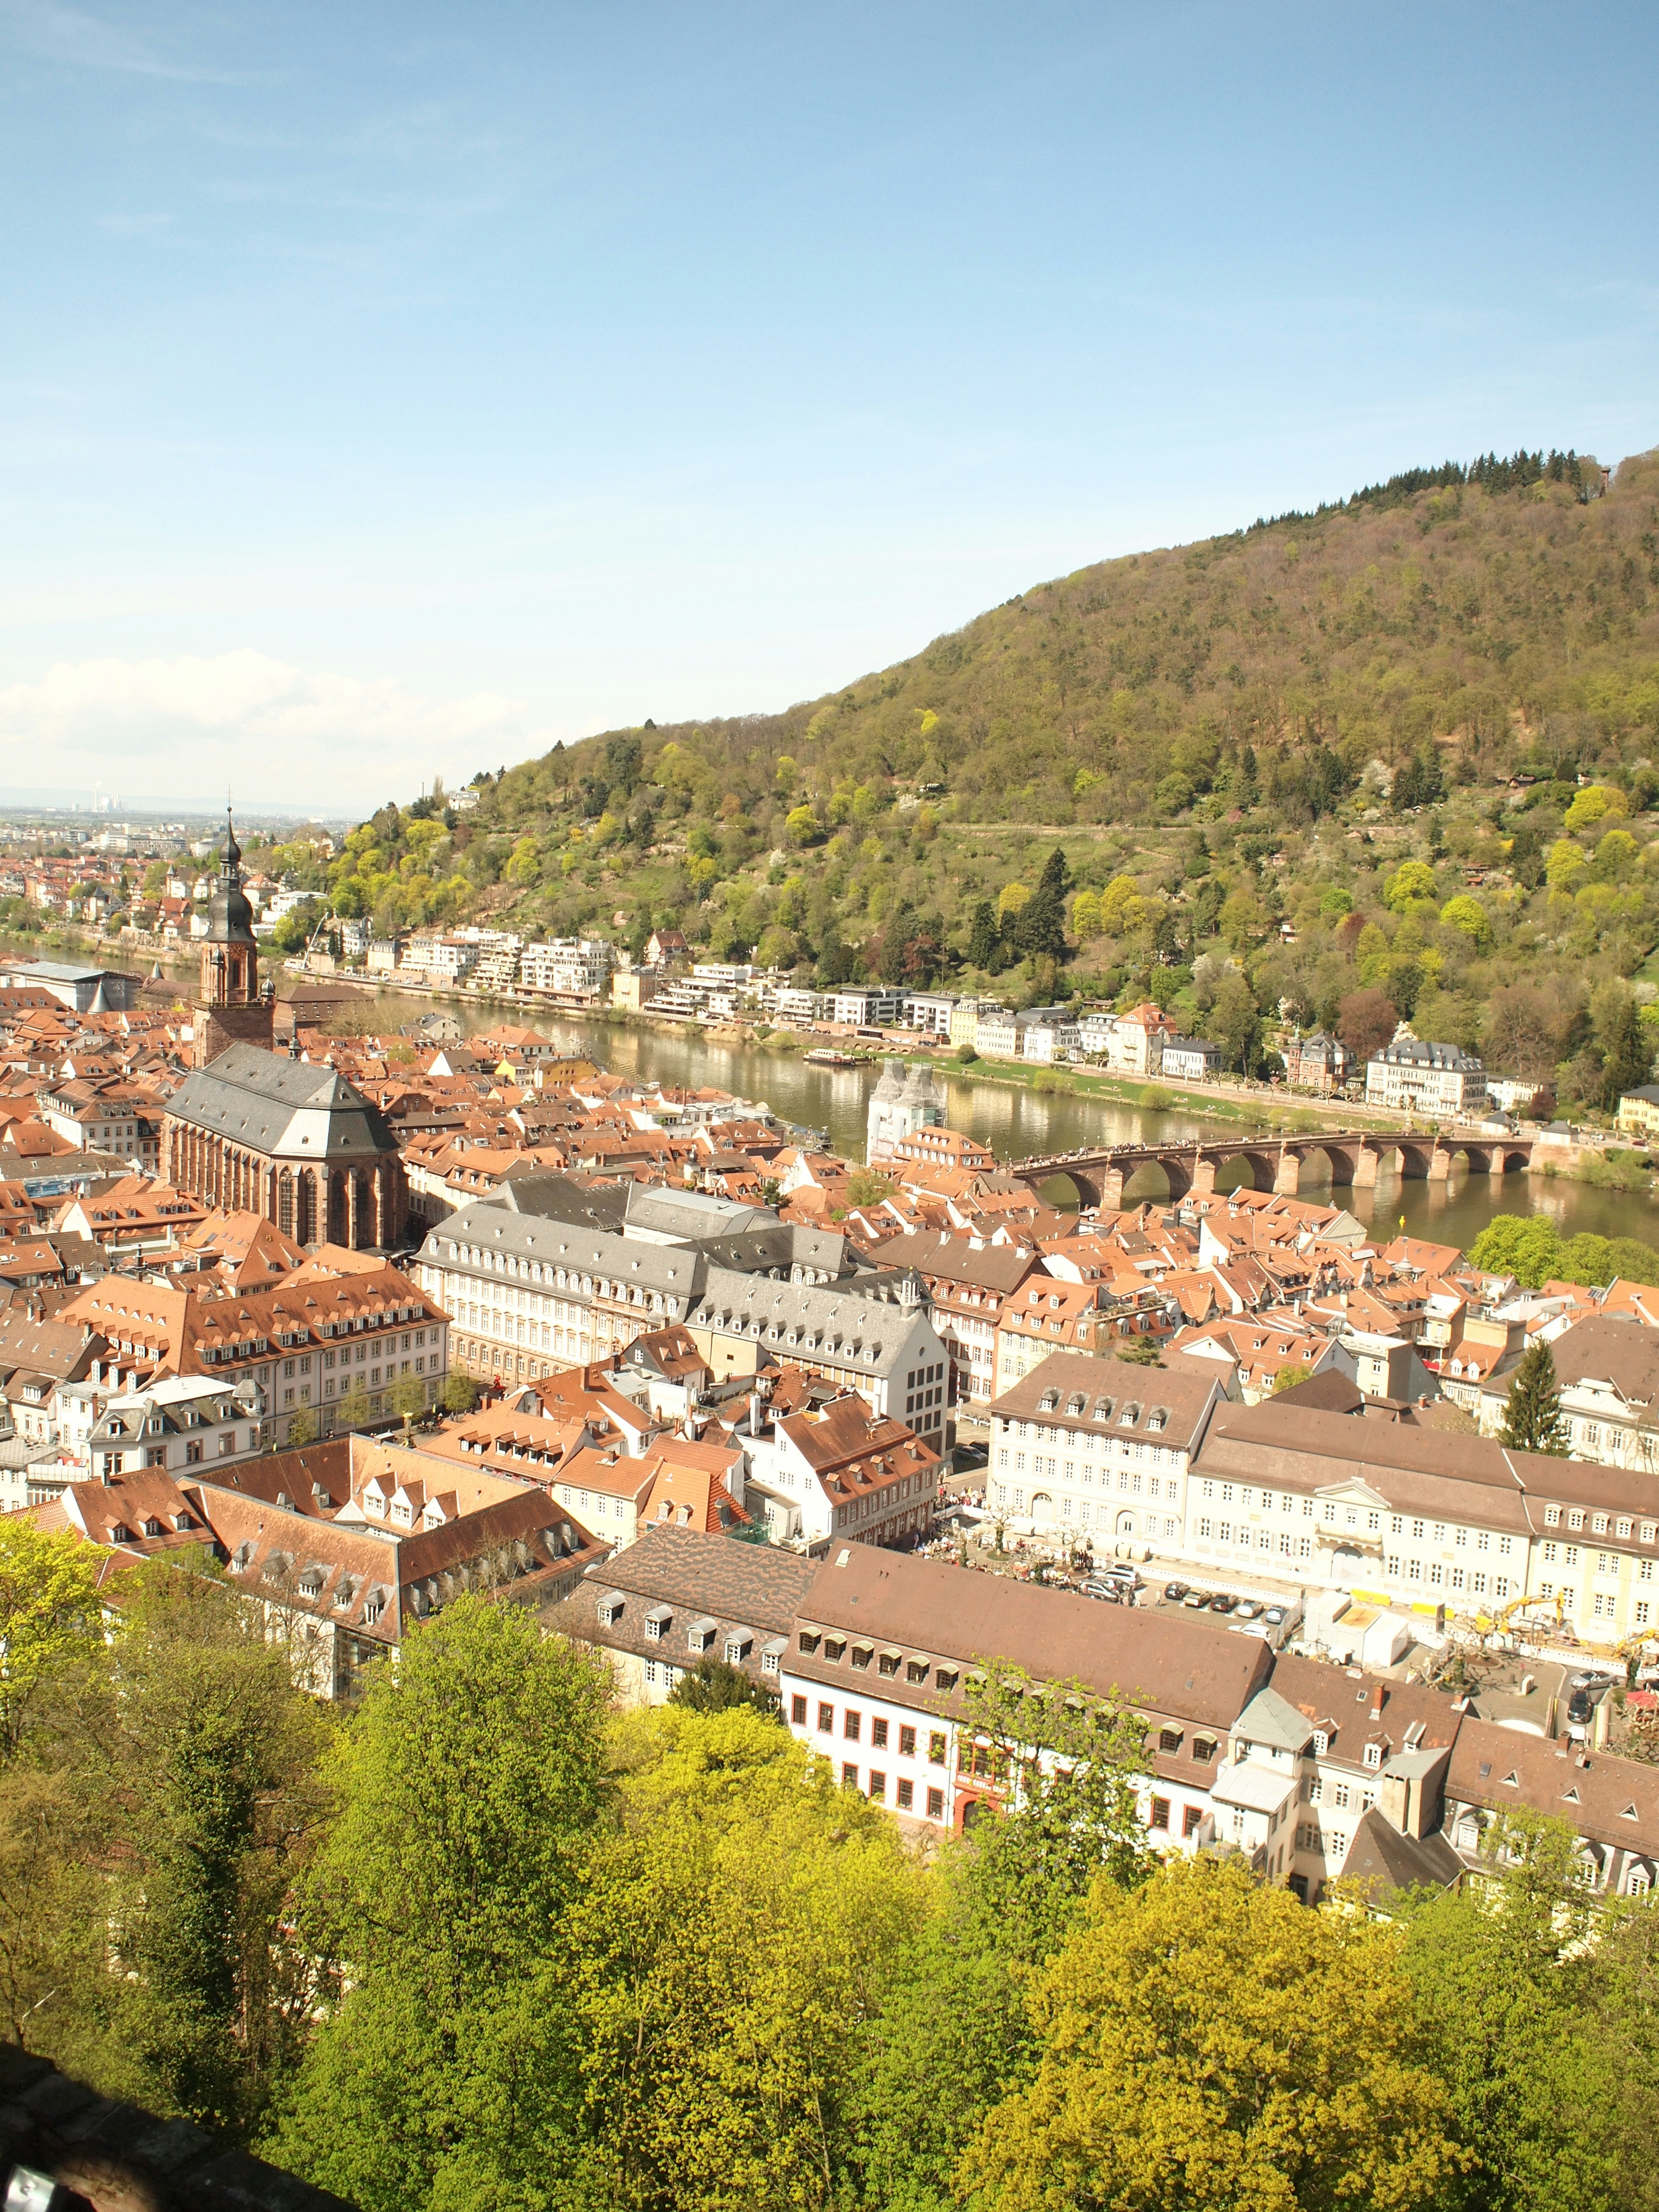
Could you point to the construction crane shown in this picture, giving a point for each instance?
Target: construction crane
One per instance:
(1496, 1623)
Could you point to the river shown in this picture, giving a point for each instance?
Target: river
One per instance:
(1016, 1121)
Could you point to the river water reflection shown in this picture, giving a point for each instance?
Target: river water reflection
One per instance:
(1016, 1121)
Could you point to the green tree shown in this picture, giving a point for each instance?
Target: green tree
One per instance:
(720, 2010)
(1234, 1023)
(985, 941)
(198, 1999)
(1533, 1420)
(461, 1392)
(1498, 1983)
(1526, 1246)
(1061, 1766)
(51, 1620)
(1469, 918)
(471, 1785)
(715, 1686)
(1626, 1055)
(354, 1408)
(869, 1187)
(1208, 2042)
(1039, 928)
(1413, 879)
(408, 1396)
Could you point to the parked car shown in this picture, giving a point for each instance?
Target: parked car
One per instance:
(1174, 1592)
(1247, 1609)
(1580, 1706)
(1197, 1599)
(1223, 1601)
(1274, 1617)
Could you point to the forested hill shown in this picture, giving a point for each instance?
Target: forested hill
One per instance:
(1423, 606)
(1439, 630)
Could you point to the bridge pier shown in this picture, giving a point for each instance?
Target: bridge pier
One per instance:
(1495, 1165)
(1287, 1177)
(1203, 1183)
(1440, 1161)
(1367, 1162)
(1111, 1190)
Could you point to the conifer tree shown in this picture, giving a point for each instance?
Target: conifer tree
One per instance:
(985, 944)
(1532, 1415)
(1040, 926)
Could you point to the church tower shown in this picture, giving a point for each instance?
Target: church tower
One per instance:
(231, 1008)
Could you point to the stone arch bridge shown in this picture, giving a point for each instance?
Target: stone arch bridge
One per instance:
(1356, 1160)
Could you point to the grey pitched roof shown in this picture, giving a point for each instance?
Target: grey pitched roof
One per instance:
(1383, 1859)
(736, 1581)
(693, 1215)
(675, 1270)
(1271, 1719)
(554, 1197)
(289, 1108)
(836, 1323)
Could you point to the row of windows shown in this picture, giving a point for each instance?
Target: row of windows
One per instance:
(1079, 1510)
(1291, 1547)
(1434, 1575)
(1350, 1516)
(880, 1729)
(1600, 1524)
(1129, 1480)
(904, 1793)
(1606, 1563)
(327, 1359)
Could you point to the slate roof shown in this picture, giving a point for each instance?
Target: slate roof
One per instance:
(1384, 1860)
(674, 1270)
(759, 1584)
(834, 1321)
(288, 1109)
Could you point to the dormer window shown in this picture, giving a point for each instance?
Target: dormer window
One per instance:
(1575, 1517)
(1552, 1516)
(1373, 1755)
(1322, 1743)
(834, 1647)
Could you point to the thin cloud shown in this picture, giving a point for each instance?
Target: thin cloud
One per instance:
(55, 33)
(338, 742)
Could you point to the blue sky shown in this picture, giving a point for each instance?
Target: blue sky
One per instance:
(386, 390)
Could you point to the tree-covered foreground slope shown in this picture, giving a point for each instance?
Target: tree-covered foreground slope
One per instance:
(487, 1943)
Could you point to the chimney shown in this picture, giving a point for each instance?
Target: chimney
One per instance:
(1379, 1698)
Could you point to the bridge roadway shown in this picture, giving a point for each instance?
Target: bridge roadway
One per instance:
(1356, 1159)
